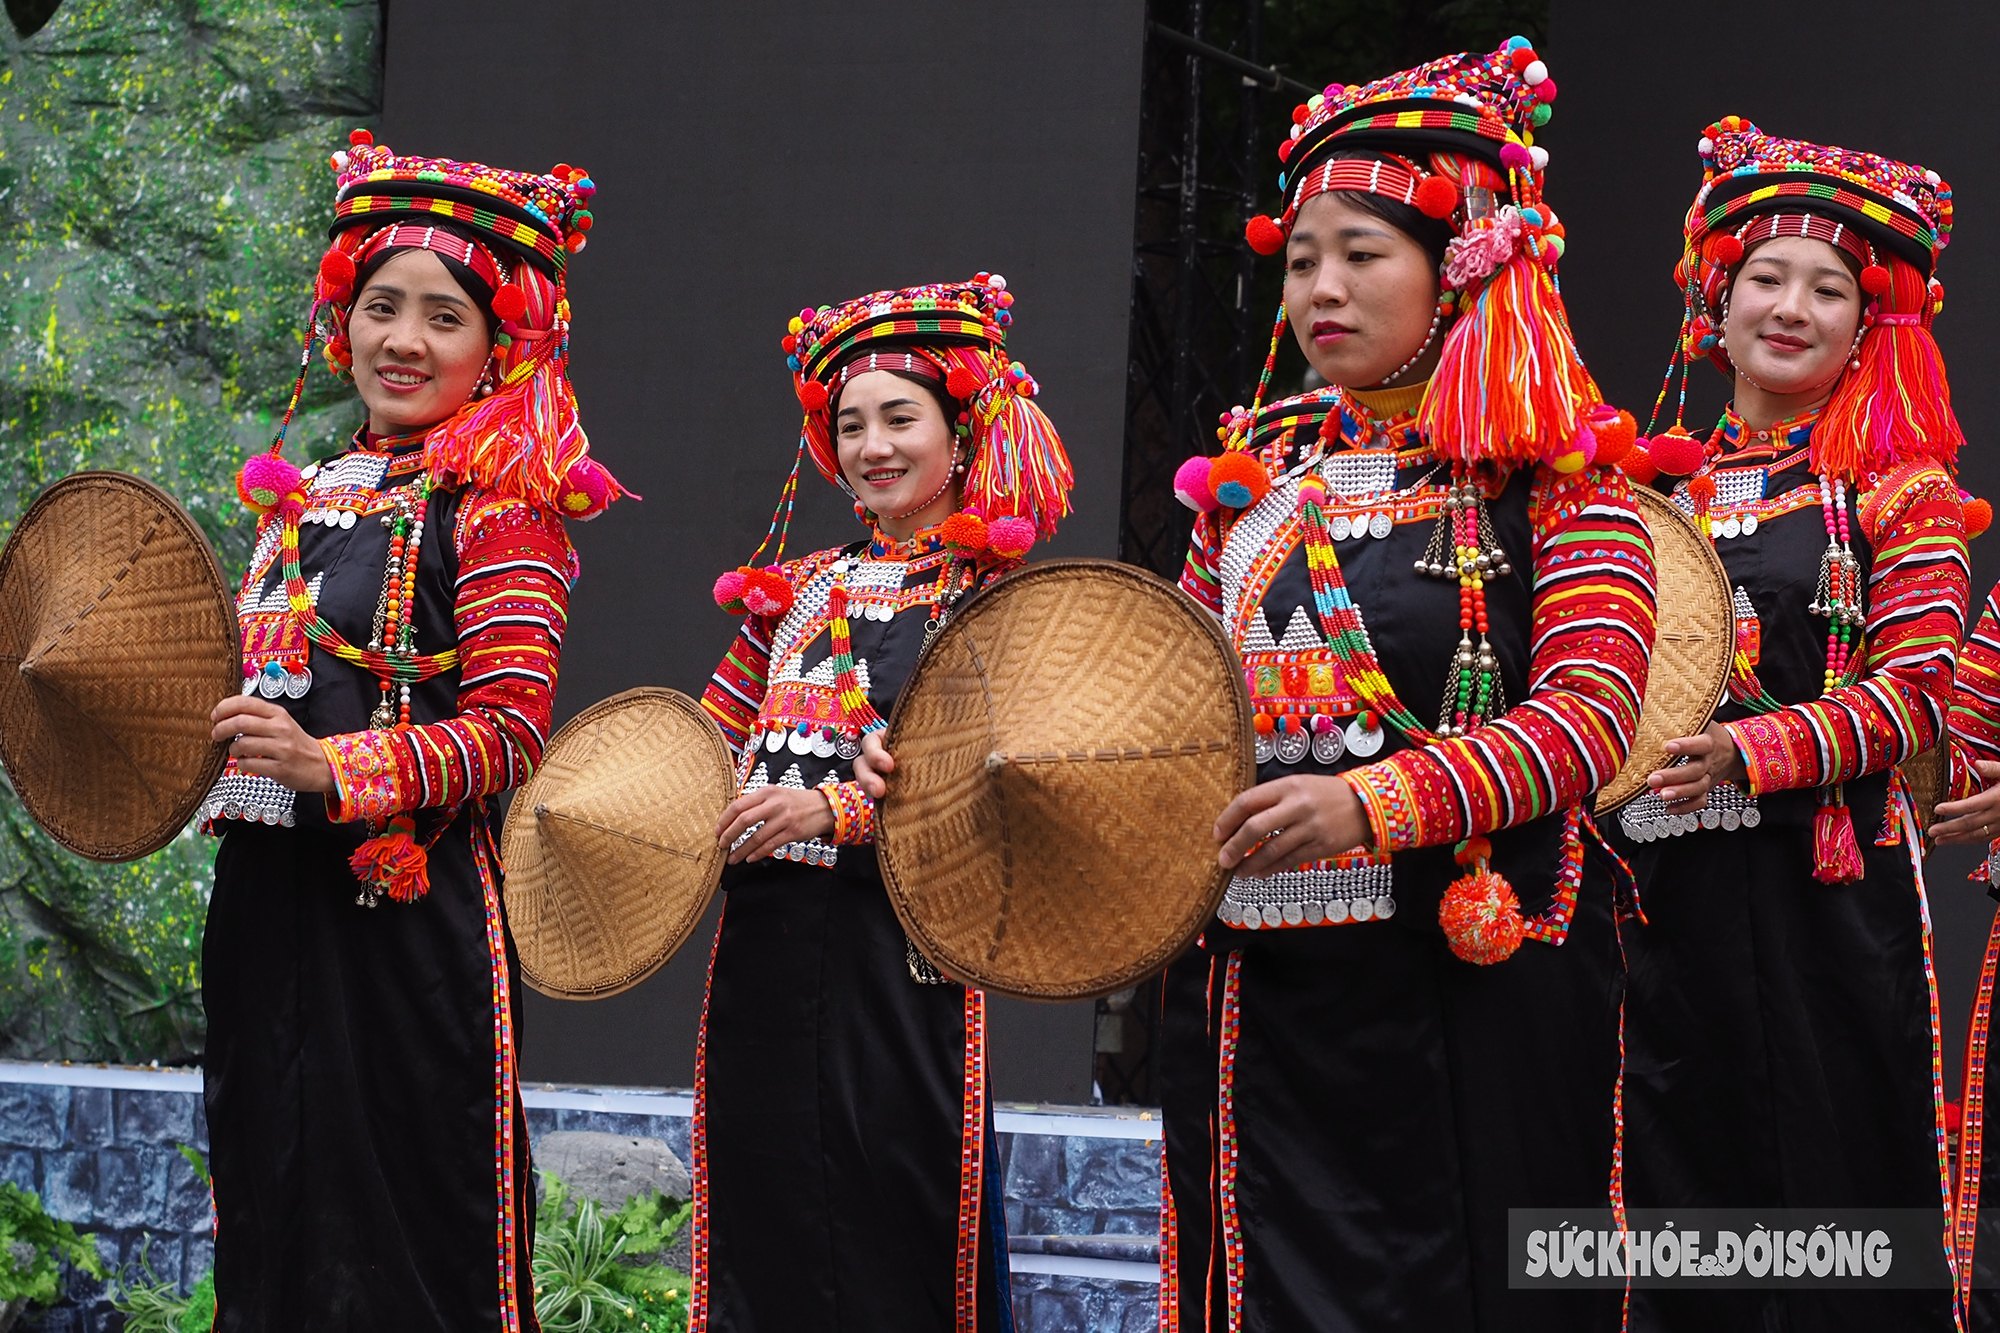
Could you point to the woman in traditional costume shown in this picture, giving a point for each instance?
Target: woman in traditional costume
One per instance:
(1405, 1021)
(1781, 1025)
(843, 1144)
(402, 617)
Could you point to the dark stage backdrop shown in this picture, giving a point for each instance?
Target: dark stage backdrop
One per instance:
(752, 159)
(1640, 83)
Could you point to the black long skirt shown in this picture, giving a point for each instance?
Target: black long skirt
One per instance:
(1779, 1055)
(1351, 1111)
(842, 1126)
(369, 1153)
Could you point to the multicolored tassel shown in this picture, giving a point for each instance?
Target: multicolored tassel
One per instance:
(1836, 853)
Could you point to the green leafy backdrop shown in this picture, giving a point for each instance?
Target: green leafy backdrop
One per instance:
(163, 198)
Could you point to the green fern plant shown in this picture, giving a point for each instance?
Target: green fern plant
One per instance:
(576, 1256)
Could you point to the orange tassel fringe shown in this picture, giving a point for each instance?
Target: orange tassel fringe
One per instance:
(395, 864)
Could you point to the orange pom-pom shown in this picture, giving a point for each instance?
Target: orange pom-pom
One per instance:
(1675, 452)
(964, 532)
(1436, 197)
(1615, 436)
(1238, 480)
(1265, 236)
(812, 395)
(1481, 918)
(395, 863)
(1638, 464)
(963, 382)
(1978, 517)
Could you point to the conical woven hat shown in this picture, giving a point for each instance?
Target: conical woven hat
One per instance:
(610, 847)
(1693, 651)
(117, 639)
(1062, 752)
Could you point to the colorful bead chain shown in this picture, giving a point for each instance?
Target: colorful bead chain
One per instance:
(1340, 620)
(1839, 593)
(391, 656)
(855, 710)
(1474, 691)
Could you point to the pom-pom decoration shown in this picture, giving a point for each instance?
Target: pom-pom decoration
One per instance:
(1009, 538)
(266, 482)
(1191, 484)
(765, 591)
(1978, 517)
(1481, 917)
(1725, 250)
(1675, 452)
(1874, 279)
(1638, 463)
(587, 491)
(812, 395)
(395, 864)
(1265, 236)
(963, 382)
(729, 591)
(1616, 433)
(336, 274)
(965, 533)
(1238, 480)
(1436, 197)
(1572, 455)
(509, 303)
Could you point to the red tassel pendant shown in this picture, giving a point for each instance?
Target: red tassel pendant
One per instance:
(395, 864)
(1480, 914)
(1836, 854)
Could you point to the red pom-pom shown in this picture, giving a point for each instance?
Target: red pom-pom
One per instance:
(395, 863)
(266, 482)
(1521, 57)
(1285, 150)
(510, 302)
(1482, 918)
(1615, 434)
(1701, 490)
(336, 272)
(1874, 279)
(1726, 250)
(1300, 113)
(965, 533)
(1436, 197)
(765, 592)
(1010, 538)
(1954, 1117)
(1675, 453)
(790, 342)
(812, 395)
(360, 138)
(1238, 480)
(963, 382)
(729, 591)
(1638, 464)
(1978, 517)
(1265, 236)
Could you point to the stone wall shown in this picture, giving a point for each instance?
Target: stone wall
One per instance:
(101, 1146)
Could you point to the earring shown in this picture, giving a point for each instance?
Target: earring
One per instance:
(485, 386)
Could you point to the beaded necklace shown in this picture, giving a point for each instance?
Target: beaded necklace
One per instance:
(391, 655)
(855, 710)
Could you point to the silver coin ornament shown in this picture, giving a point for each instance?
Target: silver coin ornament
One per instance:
(1266, 748)
(297, 683)
(1363, 741)
(799, 743)
(1329, 745)
(847, 748)
(1380, 526)
(822, 745)
(1292, 746)
(1340, 528)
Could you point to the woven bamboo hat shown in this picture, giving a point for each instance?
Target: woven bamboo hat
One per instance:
(1693, 651)
(117, 639)
(610, 847)
(1062, 751)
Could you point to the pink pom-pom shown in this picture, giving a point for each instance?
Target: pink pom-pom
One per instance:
(265, 481)
(1516, 157)
(1191, 485)
(587, 491)
(729, 591)
(1010, 537)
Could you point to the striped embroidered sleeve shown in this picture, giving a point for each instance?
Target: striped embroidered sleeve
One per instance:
(1918, 590)
(1975, 703)
(1198, 573)
(736, 691)
(1593, 610)
(510, 607)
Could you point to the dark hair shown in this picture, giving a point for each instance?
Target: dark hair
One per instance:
(1432, 234)
(473, 285)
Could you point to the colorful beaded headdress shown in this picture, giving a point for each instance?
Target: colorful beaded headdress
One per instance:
(1892, 404)
(1016, 476)
(518, 434)
(1455, 138)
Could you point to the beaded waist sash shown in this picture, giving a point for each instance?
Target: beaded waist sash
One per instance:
(1646, 818)
(1327, 893)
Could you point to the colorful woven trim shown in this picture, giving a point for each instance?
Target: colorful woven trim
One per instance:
(506, 1087)
(963, 313)
(420, 237)
(1748, 171)
(698, 1150)
(1812, 226)
(971, 1161)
